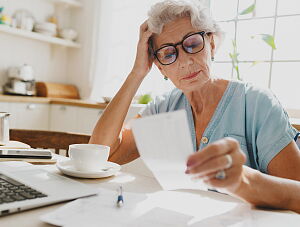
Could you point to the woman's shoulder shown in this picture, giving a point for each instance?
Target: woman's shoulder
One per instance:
(259, 101)
(260, 95)
(254, 93)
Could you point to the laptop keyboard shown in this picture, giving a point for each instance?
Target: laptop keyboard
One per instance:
(12, 190)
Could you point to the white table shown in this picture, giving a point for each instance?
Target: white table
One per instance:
(134, 178)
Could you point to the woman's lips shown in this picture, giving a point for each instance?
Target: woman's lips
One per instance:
(191, 76)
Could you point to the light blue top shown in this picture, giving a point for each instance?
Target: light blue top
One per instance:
(251, 115)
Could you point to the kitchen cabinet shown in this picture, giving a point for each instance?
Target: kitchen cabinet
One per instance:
(31, 115)
(56, 117)
(62, 118)
(87, 119)
(80, 119)
(73, 118)
(27, 115)
(4, 107)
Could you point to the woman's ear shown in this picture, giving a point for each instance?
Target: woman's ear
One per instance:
(212, 44)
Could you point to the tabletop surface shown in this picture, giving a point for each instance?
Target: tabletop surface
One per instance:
(134, 177)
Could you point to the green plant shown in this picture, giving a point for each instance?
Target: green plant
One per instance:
(267, 38)
(144, 99)
(234, 59)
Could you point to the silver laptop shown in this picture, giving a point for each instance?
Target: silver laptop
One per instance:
(26, 187)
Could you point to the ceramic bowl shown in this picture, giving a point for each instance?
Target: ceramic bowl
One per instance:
(68, 33)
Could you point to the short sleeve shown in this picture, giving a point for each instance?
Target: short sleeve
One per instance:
(271, 126)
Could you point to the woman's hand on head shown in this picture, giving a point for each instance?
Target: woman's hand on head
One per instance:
(222, 155)
(143, 62)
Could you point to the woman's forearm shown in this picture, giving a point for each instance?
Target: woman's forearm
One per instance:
(109, 125)
(269, 191)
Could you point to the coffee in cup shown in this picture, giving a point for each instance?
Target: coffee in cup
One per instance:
(89, 157)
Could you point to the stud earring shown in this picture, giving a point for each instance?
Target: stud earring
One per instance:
(166, 78)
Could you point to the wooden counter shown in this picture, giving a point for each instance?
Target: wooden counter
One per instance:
(62, 101)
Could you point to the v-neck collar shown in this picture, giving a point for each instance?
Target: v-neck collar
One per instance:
(223, 103)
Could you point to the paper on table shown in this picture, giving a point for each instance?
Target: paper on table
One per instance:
(93, 211)
(164, 143)
(164, 208)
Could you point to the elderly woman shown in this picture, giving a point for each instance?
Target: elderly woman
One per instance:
(244, 140)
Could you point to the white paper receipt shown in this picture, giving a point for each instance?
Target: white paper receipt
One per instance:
(164, 143)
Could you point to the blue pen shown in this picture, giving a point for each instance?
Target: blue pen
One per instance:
(120, 200)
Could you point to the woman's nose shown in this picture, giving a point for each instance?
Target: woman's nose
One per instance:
(184, 59)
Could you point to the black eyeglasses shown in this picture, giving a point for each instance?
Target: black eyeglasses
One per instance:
(192, 44)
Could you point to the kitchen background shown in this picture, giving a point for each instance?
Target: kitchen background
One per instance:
(101, 55)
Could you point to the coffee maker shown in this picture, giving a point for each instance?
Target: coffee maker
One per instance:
(20, 81)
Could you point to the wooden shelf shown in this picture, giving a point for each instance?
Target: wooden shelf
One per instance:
(70, 3)
(37, 36)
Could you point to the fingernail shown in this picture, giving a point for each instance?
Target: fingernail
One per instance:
(190, 163)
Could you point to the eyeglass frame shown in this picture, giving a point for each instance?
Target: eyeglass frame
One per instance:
(202, 33)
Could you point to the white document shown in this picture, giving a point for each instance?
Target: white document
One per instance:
(162, 209)
(99, 210)
(164, 143)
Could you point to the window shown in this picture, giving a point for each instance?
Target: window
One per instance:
(277, 69)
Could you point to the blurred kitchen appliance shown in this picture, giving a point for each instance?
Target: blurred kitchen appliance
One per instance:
(4, 128)
(20, 81)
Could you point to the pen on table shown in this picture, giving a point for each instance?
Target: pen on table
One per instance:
(120, 200)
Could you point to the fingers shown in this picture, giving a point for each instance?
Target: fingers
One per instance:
(231, 182)
(218, 148)
(233, 177)
(143, 60)
(144, 26)
(213, 165)
(144, 32)
(212, 175)
(214, 158)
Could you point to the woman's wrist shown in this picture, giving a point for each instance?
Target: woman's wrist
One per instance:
(137, 74)
(245, 189)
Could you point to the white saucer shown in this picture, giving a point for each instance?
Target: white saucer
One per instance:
(67, 168)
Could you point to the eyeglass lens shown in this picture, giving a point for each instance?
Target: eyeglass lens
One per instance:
(192, 44)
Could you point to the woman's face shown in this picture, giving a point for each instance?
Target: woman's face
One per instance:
(189, 71)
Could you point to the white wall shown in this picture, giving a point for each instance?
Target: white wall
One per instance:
(81, 61)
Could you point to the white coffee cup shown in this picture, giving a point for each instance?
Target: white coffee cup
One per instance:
(89, 157)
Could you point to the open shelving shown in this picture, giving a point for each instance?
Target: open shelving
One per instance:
(38, 36)
(70, 3)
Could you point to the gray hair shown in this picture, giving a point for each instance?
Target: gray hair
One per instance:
(166, 11)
